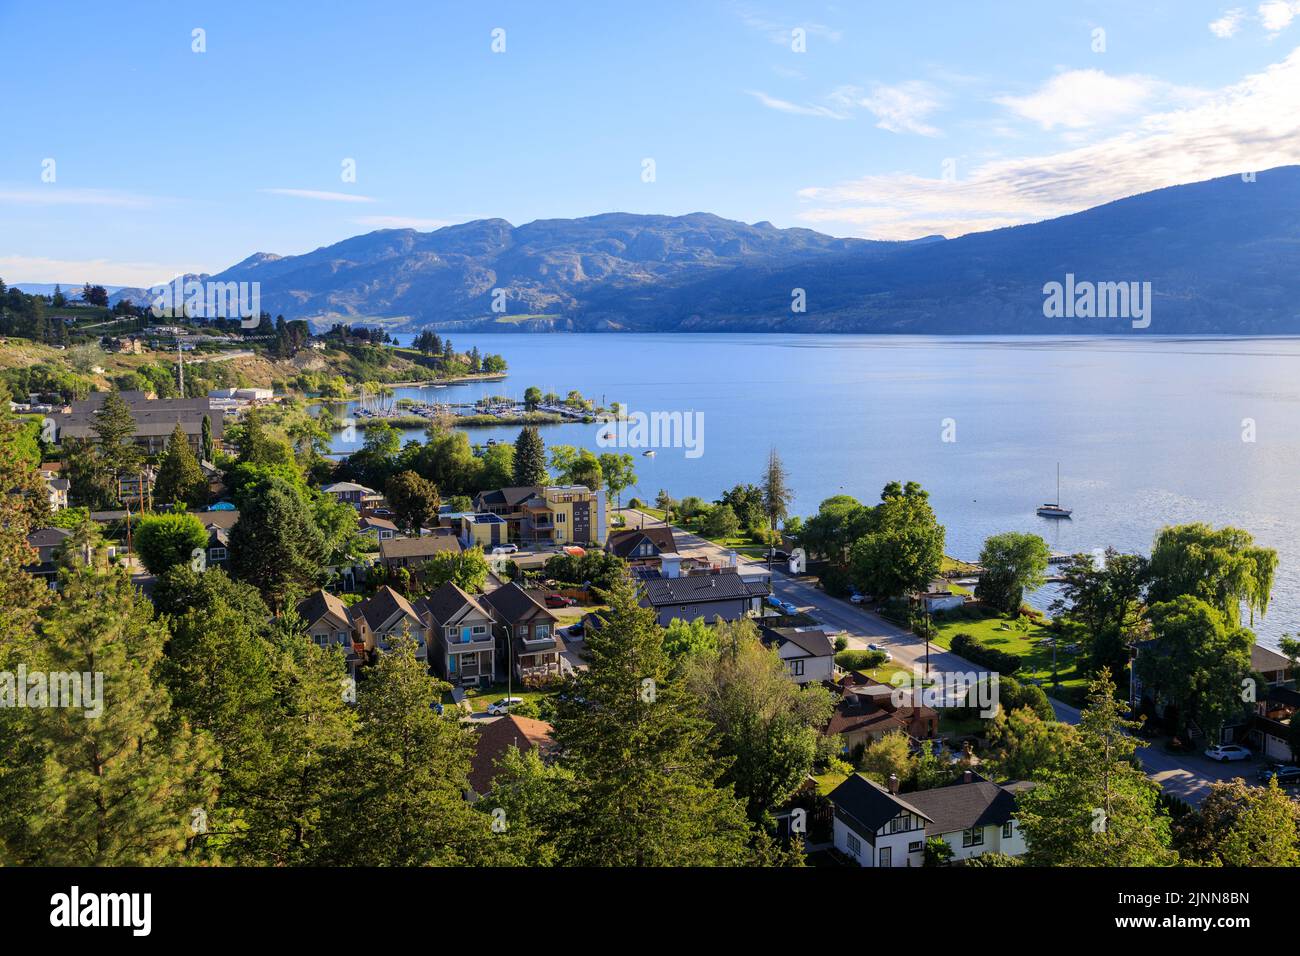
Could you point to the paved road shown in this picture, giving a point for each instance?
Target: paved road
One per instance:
(1187, 776)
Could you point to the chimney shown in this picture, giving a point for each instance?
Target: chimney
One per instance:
(967, 777)
(893, 782)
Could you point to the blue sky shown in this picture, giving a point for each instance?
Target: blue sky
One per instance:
(896, 120)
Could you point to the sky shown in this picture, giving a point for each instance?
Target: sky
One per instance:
(143, 140)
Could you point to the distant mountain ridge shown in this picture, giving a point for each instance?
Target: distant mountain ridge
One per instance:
(1221, 257)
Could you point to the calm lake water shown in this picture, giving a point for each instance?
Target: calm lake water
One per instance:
(1148, 431)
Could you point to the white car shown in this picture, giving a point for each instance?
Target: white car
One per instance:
(499, 707)
(857, 598)
(1227, 752)
(505, 549)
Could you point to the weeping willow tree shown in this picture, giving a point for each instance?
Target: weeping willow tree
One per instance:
(1221, 566)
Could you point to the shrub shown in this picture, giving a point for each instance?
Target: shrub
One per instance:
(966, 646)
(836, 582)
(857, 660)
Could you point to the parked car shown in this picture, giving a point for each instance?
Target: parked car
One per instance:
(559, 600)
(857, 598)
(576, 629)
(1283, 774)
(774, 601)
(788, 608)
(505, 549)
(502, 706)
(1227, 752)
(778, 555)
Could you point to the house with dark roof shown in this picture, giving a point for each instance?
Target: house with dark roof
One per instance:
(506, 503)
(645, 547)
(328, 621)
(381, 529)
(868, 709)
(495, 737)
(47, 542)
(384, 617)
(461, 640)
(876, 827)
(527, 633)
(155, 419)
(716, 594)
(807, 652)
(410, 553)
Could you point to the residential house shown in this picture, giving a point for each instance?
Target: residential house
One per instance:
(1275, 668)
(876, 827)
(527, 632)
(723, 594)
(506, 503)
(351, 493)
(807, 652)
(482, 530)
(868, 710)
(55, 485)
(380, 528)
(328, 621)
(1269, 731)
(383, 618)
(643, 547)
(218, 547)
(461, 639)
(564, 514)
(410, 553)
(155, 419)
(495, 737)
(47, 542)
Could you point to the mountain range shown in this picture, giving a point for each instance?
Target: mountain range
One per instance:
(1221, 256)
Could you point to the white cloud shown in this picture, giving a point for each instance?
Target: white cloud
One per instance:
(52, 194)
(1079, 99)
(1227, 25)
(19, 269)
(785, 106)
(323, 195)
(901, 108)
(402, 222)
(1251, 125)
(1276, 15)
(781, 33)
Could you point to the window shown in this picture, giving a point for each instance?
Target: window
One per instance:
(855, 845)
(973, 836)
(541, 632)
(796, 668)
(560, 518)
(1006, 830)
(320, 640)
(216, 554)
(914, 847)
(480, 629)
(886, 856)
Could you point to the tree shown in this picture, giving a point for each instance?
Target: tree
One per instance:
(938, 851)
(891, 755)
(1024, 745)
(467, 569)
(120, 787)
(902, 549)
(207, 447)
(619, 472)
(1222, 567)
(776, 490)
(721, 523)
(115, 428)
(410, 770)
(1014, 562)
(276, 546)
(1239, 825)
(382, 439)
(766, 726)
(180, 479)
(638, 745)
(166, 540)
(414, 501)
(530, 458)
(498, 466)
(1200, 662)
(1097, 808)
(586, 471)
(1102, 605)
(532, 398)
(688, 638)
(839, 521)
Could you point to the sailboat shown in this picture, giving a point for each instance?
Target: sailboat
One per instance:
(1053, 509)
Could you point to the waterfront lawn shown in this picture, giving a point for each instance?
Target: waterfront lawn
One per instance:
(1028, 643)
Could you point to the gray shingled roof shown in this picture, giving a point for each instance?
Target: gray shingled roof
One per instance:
(814, 643)
(511, 602)
(699, 588)
(869, 803)
(447, 600)
(961, 806)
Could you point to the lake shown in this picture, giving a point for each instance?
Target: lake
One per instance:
(1148, 431)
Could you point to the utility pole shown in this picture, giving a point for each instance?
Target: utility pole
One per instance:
(180, 366)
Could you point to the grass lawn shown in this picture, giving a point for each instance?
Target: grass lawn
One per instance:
(1001, 634)
(480, 698)
(828, 781)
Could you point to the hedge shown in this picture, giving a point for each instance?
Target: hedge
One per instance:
(966, 646)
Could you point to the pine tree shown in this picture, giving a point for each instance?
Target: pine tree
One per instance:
(180, 479)
(776, 491)
(115, 427)
(530, 458)
(207, 446)
(638, 746)
(405, 779)
(127, 787)
(276, 546)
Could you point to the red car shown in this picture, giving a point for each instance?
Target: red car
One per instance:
(559, 600)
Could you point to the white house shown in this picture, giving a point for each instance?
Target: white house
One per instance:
(807, 652)
(878, 828)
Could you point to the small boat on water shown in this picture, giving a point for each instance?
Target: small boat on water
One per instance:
(1053, 509)
(648, 454)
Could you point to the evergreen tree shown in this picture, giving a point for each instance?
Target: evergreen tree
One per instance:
(115, 428)
(404, 783)
(275, 546)
(180, 479)
(776, 490)
(207, 445)
(530, 458)
(638, 746)
(1096, 807)
(126, 787)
